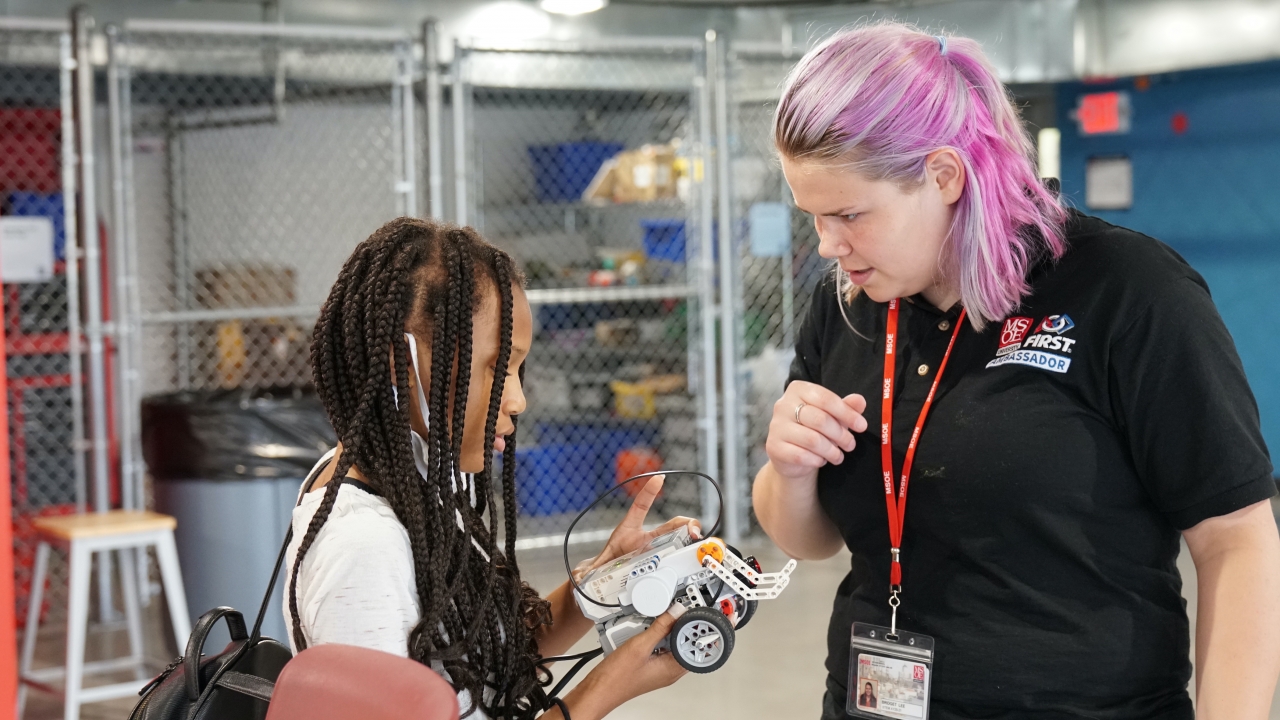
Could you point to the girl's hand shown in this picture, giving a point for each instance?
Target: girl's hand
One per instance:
(811, 427)
(629, 672)
(630, 534)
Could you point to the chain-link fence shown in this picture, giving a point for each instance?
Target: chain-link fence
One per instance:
(778, 262)
(253, 159)
(40, 286)
(588, 164)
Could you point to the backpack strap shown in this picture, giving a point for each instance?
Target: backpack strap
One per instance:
(256, 635)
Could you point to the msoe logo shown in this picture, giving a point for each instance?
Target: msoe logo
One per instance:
(1016, 348)
(1011, 335)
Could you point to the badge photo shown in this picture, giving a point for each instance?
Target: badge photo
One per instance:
(890, 674)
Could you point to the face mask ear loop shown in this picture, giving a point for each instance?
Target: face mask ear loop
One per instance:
(422, 403)
(422, 397)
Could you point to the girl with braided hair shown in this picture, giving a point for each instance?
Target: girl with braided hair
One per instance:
(417, 356)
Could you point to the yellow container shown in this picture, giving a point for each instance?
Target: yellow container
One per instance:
(632, 400)
(232, 356)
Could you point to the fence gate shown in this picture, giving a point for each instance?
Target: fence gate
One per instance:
(778, 262)
(43, 341)
(252, 159)
(589, 163)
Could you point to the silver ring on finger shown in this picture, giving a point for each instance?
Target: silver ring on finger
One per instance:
(798, 409)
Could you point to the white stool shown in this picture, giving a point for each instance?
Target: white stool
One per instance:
(82, 535)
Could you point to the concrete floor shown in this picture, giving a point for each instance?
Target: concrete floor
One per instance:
(776, 669)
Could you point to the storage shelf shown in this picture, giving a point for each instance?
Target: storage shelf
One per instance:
(558, 205)
(581, 416)
(620, 293)
(663, 350)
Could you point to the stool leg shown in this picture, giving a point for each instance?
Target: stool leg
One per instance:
(174, 592)
(77, 626)
(132, 615)
(144, 576)
(35, 601)
(106, 597)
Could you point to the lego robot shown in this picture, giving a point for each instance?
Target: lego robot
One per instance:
(719, 588)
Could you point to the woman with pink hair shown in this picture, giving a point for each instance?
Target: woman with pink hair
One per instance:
(1058, 394)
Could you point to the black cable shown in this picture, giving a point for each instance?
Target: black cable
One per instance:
(564, 711)
(714, 529)
(584, 658)
(561, 658)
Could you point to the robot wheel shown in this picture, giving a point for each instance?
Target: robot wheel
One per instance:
(702, 640)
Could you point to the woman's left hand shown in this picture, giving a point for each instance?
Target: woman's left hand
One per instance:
(630, 534)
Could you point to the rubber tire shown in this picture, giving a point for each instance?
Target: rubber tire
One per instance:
(747, 614)
(705, 614)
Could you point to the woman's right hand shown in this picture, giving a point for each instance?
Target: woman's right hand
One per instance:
(629, 672)
(811, 427)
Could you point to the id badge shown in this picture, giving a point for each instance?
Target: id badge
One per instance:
(889, 678)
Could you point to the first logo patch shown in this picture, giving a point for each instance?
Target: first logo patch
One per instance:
(1056, 324)
(1051, 350)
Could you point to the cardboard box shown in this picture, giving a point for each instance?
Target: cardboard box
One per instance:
(245, 286)
(642, 175)
(623, 332)
(250, 352)
(269, 352)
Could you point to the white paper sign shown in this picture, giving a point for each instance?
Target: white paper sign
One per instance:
(1108, 183)
(26, 249)
(770, 229)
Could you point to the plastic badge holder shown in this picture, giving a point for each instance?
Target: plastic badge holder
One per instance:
(889, 678)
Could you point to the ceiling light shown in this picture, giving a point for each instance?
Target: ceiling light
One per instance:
(507, 20)
(572, 7)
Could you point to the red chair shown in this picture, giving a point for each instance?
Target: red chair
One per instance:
(341, 682)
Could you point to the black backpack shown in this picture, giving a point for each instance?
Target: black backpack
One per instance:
(234, 684)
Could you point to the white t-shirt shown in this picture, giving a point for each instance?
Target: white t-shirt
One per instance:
(357, 583)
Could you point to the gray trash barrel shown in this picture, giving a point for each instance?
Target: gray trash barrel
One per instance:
(228, 464)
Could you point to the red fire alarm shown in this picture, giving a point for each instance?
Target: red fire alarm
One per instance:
(1105, 113)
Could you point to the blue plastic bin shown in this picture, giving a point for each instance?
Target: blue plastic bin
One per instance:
(564, 170)
(29, 204)
(665, 239)
(555, 478)
(558, 316)
(599, 443)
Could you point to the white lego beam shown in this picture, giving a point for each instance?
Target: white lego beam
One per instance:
(768, 585)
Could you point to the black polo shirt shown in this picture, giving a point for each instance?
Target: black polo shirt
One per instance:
(1067, 447)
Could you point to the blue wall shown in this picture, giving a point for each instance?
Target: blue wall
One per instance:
(1212, 193)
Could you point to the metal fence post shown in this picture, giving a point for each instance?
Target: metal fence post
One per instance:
(124, 341)
(71, 250)
(128, 398)
(730, 369)
(82, 29)
(461, 178)
(406, 184)
(706, 261)
(432, 100)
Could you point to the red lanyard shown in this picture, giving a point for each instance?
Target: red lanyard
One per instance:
(898, 507)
